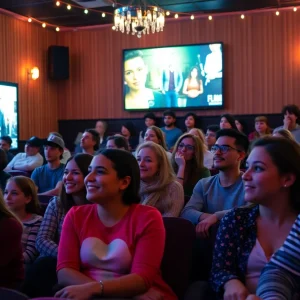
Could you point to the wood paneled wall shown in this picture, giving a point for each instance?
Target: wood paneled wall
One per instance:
(22, 47)
(262, 63)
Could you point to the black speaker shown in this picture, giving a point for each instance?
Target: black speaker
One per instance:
(58, 62)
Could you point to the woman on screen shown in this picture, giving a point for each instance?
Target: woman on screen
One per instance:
(137, 95)
(193, 88)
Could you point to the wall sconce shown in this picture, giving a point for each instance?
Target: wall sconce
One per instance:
(34, 73)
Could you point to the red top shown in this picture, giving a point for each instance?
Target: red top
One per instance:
(11, 253)
(135, 245)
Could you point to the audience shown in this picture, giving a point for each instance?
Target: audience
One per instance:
(90, 141)
(155, 135)
(211, 135)
(150, 120)
(249, 236)
(190, 120)
(262, 128)
(283, 133)
(159, 187)
(128, 130)
(3, 175)
(214, 195)
(241, 125)
(187, 162)
(5, 144)
(117, 142)
(208, 156)
(101, 128)
(172, 133)
(48, 177)
(42, 275)
(29, 160)
(21, 198)
(227, 121)
(291, 120)
(121, 229)
(11, 253)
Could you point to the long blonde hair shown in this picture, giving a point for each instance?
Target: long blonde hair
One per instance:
(201, 136)
(153, 193)
(4, 210)
(160, 136)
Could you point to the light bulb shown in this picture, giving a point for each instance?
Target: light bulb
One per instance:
(103, 15)
(57, 3)
(295, 9)
(209, 18)
(44, 25)
(277, 13)
(176, 16)
(86, 11)
(69, 6)
(57, 29)
(29, 20)
(167, 13)
(192, 17)
(242, 17)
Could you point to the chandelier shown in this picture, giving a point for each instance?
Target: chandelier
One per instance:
(139, 19)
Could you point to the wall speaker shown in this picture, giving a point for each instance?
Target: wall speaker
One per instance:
(58, 62)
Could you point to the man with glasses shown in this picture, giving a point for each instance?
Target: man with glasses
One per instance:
(213, 196)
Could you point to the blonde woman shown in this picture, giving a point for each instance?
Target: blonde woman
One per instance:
(21, 198)
(156, 135)
(11, 254)
(187, 162)
(262, 128)
(159, 187)
(279, 132)
(208, 160)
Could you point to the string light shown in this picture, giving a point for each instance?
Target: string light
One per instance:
(57, 3)
(176, 16)
(69, 6)
(103, 15)
(192, 17)
(57, 29)
(277, 13)
(29, 20)
(209, 18)
(44, 25)
(86, 11)
(242, 17)
(295, 9)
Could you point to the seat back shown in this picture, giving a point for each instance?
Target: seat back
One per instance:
(177, 260)
(8, 294)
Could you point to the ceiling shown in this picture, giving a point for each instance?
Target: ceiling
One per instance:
(46, 10)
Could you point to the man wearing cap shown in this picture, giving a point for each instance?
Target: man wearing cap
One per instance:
(28, 160)
(48, 177)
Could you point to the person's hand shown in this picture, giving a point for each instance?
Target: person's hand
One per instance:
(235, 290)
(179, 159)
(79, 292)
(253, 297)
(206, 221)
(286, 122)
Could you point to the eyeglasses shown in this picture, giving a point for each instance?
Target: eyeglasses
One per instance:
(223, 148)
(187, 147)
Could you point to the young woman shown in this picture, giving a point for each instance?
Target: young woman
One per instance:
(106, 249)
(117, 142)
(284, 133)
(128, 130)
(261, 128)
(193, 88)
(159, 187)
(187, 162)
(190, 120)
(227, 121)
(208, 155)
(155, 135)
(241, 126)
(21, 198)
(11, 252)
(248, 237)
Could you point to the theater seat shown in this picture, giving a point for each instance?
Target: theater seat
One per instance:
(177, 260)
(8, 294)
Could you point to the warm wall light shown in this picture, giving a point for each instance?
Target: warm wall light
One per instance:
(34, 73)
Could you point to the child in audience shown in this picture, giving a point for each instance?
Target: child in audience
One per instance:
(248, 237)
(187, 162)
(208, 156)
(190, 120)
(42, 276)
(11, 253)
(227, 121)
(21, 197)
(159, 187)
(117, 142)
(155, 135)
(106, 249)
(261, 128)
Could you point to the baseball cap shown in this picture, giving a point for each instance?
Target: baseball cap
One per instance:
(54, 139)
(34, 141)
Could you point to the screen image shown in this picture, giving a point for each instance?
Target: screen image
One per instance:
(189, 76)
(9, 111)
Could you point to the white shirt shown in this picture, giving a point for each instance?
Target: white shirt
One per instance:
(24, 162)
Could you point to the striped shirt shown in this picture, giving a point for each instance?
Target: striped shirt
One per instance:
(280, 279)
(30, 230)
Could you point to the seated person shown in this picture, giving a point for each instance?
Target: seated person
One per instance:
(90, 141)
(106, 249)
(249, 236)
(241, 125)
(211, 135)
(11, 253)
(101, 128)
(187, 162)
(42, 275)
(190, 120)
(128, 130)
(48, 177)
(3, 175)
(67, 154)
(5, 144)
(284, 133)
(28, 160)
(21, 198)
(262, 128)
(117, 142)
(150, 120)
(213, 196)
(159, 187)
(228, 121)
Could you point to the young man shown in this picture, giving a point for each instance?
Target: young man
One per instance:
(5, 144)
(291, 119)
(211, 135)
(28, 160)
(90, 141)
(212, 196)
(172, 133)
(48, 177)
